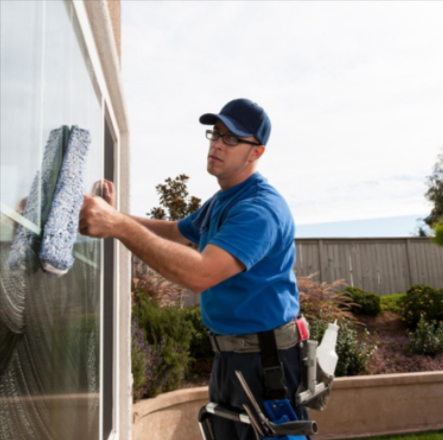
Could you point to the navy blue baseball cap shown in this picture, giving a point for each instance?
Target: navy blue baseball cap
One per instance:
(244, 118)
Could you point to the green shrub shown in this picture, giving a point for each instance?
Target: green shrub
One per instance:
(393, 303)
(427, 303)
(438, 233)
(138, 362)
(200, 346)
(427, 338)
(202, 355)
(317, 328)
(366, 303)
(417, 288)
(353, 356)
(169, 335)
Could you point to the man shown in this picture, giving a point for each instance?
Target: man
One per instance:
(244, 267)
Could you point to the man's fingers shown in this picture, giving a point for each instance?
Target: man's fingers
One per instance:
(109, 192)
(82, 222)
(84, 231)
(86, 199)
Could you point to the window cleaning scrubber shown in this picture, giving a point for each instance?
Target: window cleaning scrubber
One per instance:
(26, 241)
(60, 231)
(21, 259)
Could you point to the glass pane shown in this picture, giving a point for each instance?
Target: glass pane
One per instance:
(49, 327)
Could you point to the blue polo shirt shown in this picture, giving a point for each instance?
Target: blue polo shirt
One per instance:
(253, 223)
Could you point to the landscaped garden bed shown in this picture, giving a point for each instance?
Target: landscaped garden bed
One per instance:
(390, 333)
(379, 340)
(401, 333)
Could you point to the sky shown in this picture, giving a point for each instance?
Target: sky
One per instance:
(354, 91)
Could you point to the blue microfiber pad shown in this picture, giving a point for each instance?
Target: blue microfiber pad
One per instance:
(26, 241)
(60, 231)
(22, 254)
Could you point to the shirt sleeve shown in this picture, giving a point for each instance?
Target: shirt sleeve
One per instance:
(248, 233)
(187, 229)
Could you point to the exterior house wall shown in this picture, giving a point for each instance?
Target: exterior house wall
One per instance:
(114, 7)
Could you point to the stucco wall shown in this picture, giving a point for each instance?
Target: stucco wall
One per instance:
(114, 7)
(362, 406)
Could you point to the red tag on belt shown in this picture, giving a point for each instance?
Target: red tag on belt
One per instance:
(302, 330)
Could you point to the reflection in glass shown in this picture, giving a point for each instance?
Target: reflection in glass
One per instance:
(49, 327)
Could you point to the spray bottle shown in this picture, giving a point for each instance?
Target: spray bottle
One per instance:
(326, 355)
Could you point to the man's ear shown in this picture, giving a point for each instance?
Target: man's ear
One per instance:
(257, 152)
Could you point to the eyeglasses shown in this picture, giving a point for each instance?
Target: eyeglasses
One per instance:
(227, 139)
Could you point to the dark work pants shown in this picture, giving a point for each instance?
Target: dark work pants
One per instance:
(225, 388)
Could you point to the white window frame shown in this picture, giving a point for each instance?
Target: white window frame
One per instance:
(96, 29)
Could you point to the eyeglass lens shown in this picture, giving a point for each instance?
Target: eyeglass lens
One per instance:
(227, 139)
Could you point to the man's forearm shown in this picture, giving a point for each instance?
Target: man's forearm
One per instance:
(162, 228)
(176, 262)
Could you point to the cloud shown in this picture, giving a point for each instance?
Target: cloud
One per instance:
(354, 91)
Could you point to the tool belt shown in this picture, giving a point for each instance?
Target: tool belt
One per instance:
(266, 343)
(286, 337)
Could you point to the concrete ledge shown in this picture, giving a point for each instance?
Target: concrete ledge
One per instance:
(364, 406)
(360, 406)
(169, 416)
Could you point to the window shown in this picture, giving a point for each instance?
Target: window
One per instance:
(49, 327)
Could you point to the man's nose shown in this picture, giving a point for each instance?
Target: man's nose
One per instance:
(218, 143)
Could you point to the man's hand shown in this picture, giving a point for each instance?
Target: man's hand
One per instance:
(98, 218)
(109, 192)
(105, 189)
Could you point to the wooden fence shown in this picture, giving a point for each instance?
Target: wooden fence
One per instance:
(380, 265)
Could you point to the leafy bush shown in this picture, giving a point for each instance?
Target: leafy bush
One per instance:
(200, 346)
(427, 303)
(353, 356)
(417, 288)
(393, 302)
(138, 360)
(202, 355)
(145, 364)
(321, 301)
(427, 338)
(169, 334)
(438, 233)
(366, 303)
